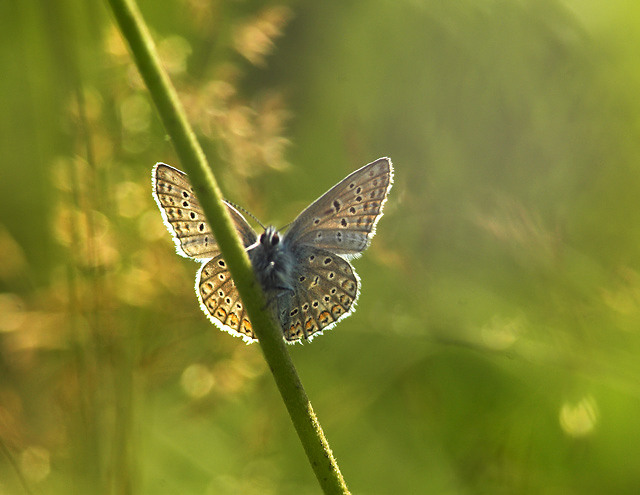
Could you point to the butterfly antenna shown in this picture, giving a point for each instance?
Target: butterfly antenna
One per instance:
(245, 211)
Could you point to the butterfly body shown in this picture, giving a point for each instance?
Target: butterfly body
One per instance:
(273, 261)
(308, 281)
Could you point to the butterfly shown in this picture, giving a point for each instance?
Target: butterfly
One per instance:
(305, 272)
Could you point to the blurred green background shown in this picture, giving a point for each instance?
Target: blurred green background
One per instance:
(497, 339)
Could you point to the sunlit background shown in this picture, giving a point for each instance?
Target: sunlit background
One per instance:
(496, 345)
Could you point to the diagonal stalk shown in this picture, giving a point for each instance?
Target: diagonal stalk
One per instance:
(192, 158)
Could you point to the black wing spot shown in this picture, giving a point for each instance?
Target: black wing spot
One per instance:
(185, 194)
(221, 263)
(352, 210)
(327, 260)
(337, 205)
(201, 227)
(192, 215)
(302, 278)
(343, 222)
(358, 198)
(185, 204)
(359, 190)
(352, 185)
(316, 221)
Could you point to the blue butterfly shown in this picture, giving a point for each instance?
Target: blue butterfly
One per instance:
(305, 272)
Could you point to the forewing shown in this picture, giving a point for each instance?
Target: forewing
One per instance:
(184, 217)
(343, 220)
(326, 288)
(220, 300)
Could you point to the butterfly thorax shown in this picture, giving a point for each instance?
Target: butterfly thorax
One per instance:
(272, 261)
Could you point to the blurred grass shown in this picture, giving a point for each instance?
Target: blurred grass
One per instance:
(495, 345)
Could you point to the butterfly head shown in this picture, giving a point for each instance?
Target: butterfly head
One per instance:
(270, 239)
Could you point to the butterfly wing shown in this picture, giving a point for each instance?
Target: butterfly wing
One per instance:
(220, 300)
(343, 220)
(184, 217)
(325, 290)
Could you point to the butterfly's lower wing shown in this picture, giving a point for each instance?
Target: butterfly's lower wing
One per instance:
(220, 300)
(184, 217)
(343, 220)
(325, 290)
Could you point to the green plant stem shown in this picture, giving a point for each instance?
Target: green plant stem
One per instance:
(195, 164)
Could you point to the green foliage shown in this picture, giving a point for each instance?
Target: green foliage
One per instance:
(494, 347)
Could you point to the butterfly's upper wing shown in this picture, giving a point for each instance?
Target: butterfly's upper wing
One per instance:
(325, 290)
(184, 217)
(343, 220)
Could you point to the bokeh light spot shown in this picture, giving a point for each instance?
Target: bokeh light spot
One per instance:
(197, 381)
(35, 463)
(578, 419)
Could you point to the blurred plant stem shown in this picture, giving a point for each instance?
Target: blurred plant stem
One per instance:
(195, 164)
